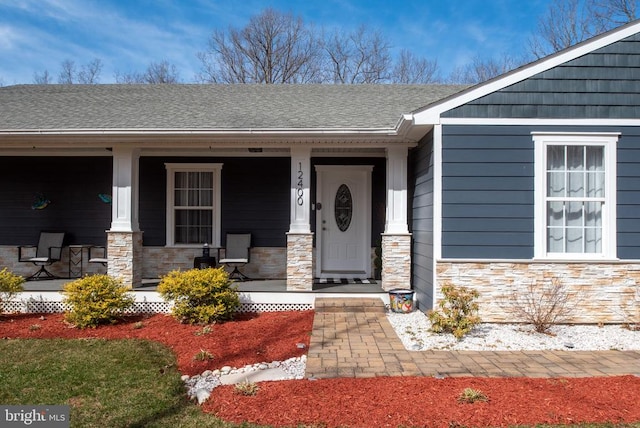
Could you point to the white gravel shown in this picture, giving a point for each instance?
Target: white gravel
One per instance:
(200, 386)
(414, 331)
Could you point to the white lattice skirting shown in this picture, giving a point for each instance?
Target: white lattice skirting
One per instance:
(150, 302)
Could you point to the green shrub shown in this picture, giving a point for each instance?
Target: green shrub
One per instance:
(458, 311)
(96, 299)
(10, 285)
(200, 296)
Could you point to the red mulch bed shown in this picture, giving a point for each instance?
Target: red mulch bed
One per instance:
(375, 402)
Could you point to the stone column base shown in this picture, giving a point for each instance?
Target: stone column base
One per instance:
(124, 257)
(299, 261)
(396, 261)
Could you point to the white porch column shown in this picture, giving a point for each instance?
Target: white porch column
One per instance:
(299, 237)
(397, 190)
(396, 240)
(124, 241)
(124, 198)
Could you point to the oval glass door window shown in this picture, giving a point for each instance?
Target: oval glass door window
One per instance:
(343, 207)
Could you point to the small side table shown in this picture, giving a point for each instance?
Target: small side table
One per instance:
(76, 259)
(204, 262)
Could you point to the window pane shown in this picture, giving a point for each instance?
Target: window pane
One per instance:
(206, 180)
(555, 212)
(555, 184)
(181, 198)
(181, 180)
(574, 214)
(206, 198)
(593, 239)
(574, 240)
(593, 214)
(555, 240)
(595, 158)
(575, 184)
(555, 158)
(575, 158)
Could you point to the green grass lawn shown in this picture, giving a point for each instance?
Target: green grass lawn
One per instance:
(114, 383)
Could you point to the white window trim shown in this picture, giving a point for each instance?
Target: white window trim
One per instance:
(608, 140)
(172, 168)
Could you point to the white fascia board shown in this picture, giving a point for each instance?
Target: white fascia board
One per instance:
(540, 121)
(431, 114)
(231, 132)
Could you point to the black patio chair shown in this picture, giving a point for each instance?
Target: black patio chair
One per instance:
(47, 252)
(237, 254)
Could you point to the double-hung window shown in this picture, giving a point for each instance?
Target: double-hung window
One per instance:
(575, 195)
(193, 204)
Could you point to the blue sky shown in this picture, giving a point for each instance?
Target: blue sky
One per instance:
(127, 35)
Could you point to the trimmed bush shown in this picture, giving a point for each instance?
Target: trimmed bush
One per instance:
(96, 299)
(200, 296)
(10, 285)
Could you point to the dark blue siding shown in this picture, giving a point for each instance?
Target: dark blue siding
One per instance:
(488, 200)
(255, 198)
(628, 185)
(421, 220)
(602, 84)
(487, 192)
(72, 184)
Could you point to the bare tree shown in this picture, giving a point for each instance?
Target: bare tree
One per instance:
(90, 73)
(412, 69)
(43, 78)
(272, 48)
(156, 73)
(568, 22)
(361, 56)
(67, 72)
(481, 70)
(608, 14)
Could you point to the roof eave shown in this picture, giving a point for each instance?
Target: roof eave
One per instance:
(151, 136)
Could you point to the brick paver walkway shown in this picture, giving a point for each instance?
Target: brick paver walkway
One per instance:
(353, 338)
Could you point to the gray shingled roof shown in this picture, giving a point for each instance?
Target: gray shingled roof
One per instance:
(212, 107)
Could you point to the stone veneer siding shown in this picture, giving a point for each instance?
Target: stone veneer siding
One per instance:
(396, 261)
(124, 257)
(599, 292)
(264, 263)
(299, 261)
(9, 260)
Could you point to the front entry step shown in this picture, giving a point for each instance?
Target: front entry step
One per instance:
(372, 305)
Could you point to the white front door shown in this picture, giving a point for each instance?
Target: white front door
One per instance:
(343, 221)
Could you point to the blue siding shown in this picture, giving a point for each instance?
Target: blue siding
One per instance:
(628, 185)
(421, 221)
(487, 188)
(255, 198)
(72, 184)
(602, 84)
(488, 200)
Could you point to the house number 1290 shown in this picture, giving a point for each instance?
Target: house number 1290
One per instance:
(300, 188)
